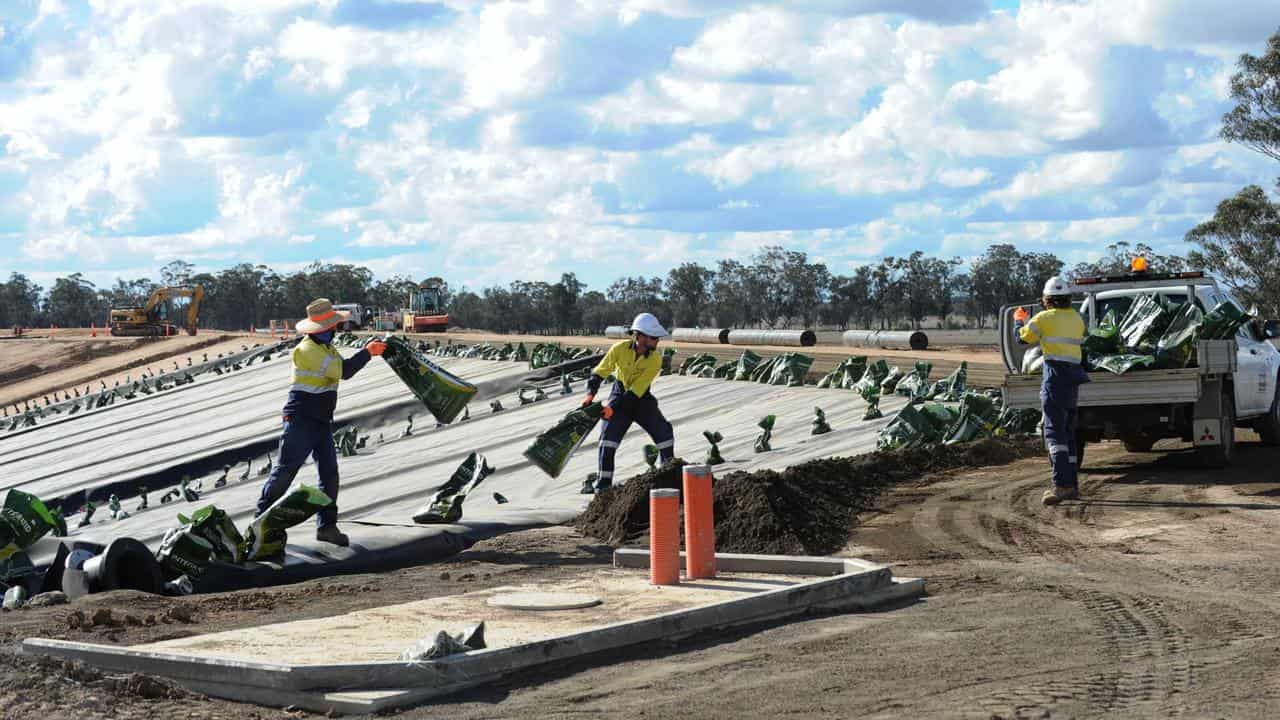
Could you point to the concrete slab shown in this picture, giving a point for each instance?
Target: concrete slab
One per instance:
(284, 665)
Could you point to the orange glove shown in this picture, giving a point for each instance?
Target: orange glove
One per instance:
(591, 397)
(376, 347)
(1021, 315)
(606, 412)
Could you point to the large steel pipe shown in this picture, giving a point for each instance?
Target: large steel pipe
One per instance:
(712, 336)
(794, 338)
(617, 332)
(905, 339)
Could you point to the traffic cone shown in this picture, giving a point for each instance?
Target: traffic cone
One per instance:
(93, 329)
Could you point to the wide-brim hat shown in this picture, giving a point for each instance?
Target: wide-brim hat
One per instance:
(321, 316)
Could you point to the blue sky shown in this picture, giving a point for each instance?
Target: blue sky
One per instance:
(491, 142)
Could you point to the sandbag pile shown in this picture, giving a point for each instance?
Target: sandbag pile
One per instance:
(1155, 331)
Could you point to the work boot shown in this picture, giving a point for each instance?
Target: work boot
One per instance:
(332, 535)
(1058, 494)
(602, 485)
(588, 487)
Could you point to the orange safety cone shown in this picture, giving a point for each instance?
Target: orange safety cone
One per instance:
(664, 537)
(699, 523)
(93, 329)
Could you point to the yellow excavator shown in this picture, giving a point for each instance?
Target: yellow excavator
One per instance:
(154, 317)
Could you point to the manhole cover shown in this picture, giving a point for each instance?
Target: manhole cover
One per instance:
(544, 601)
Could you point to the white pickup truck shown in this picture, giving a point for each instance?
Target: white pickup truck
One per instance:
(1236, 382)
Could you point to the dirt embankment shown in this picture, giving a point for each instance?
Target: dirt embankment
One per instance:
(806, 509)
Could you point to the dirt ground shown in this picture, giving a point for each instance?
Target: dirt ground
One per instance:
(1153, 597)
(31, 367)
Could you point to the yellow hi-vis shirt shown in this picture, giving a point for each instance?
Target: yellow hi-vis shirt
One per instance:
(635, 372)
(1060, 332)
(317, 368)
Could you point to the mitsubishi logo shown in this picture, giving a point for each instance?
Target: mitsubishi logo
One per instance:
(1208, 435)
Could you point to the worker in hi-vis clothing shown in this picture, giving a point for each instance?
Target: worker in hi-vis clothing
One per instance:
(308, 412)
(1060, 331)
(634, 364)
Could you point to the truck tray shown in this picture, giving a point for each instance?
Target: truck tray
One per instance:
(1143, 387)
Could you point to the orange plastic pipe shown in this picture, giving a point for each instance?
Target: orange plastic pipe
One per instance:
(699, 523)
(664, 537)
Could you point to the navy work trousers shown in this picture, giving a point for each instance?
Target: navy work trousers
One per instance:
(1059, 393)
(627, 409)
(302, 437)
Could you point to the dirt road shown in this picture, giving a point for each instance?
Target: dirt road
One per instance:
(1153, 598)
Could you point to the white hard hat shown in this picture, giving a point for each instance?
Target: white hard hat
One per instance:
(648, 324)
(1056, 286)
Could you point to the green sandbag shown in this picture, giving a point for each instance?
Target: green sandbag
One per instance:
(521, 353)
(183, 552)
(696, 363)
(713, 455)
(916, 385)
(951, 388)
(1223, 322)
(845, 375)
(1148, 317)
(1104, 339)
(215, 527)
(787, 369)
(1177, 347)
(871, 378)
(552, 449)
(1018, 421)
(1124, 362)
(725, 371)
(24, 519)
(891, 380)
(446, 506)
(908, 428)
(762, 440)
(978, 419)
(265, 536)
(746, 363)
(940, 417)
(871, 395)
(444, 393)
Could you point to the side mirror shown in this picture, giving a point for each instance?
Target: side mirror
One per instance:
(1271, 329)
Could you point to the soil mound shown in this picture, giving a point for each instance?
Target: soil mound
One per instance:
(805, 509)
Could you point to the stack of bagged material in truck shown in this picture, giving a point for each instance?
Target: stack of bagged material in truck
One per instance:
(1155, 332)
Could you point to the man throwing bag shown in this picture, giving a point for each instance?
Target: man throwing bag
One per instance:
(634, 364)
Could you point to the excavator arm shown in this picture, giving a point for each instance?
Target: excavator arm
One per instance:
(145, 322)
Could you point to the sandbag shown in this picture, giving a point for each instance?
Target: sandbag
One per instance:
(916, 385)
(1148, 317)
(952, 387)
(1102, 340)
(908, 428)
(845, 375)
(1177, 346)
(215, 526)
(1124, 362)
(551, 450)
(872, 378)
(1223, 322)
(266, 536)
(787, 369)
(746, 363)
(183, 552)
(24, 519)
(444, 393)
(446, 506)
(978, 418)
(871, 396)
(695, 364)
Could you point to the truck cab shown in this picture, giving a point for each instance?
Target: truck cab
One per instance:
(1236, 382)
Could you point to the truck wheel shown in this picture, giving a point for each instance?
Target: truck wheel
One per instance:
(1138, 442)
(1220, 456)
(1269, 427)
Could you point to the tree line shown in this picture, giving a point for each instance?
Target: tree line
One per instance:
(775, 288)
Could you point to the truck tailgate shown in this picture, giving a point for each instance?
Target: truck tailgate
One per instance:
(1142, 387)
